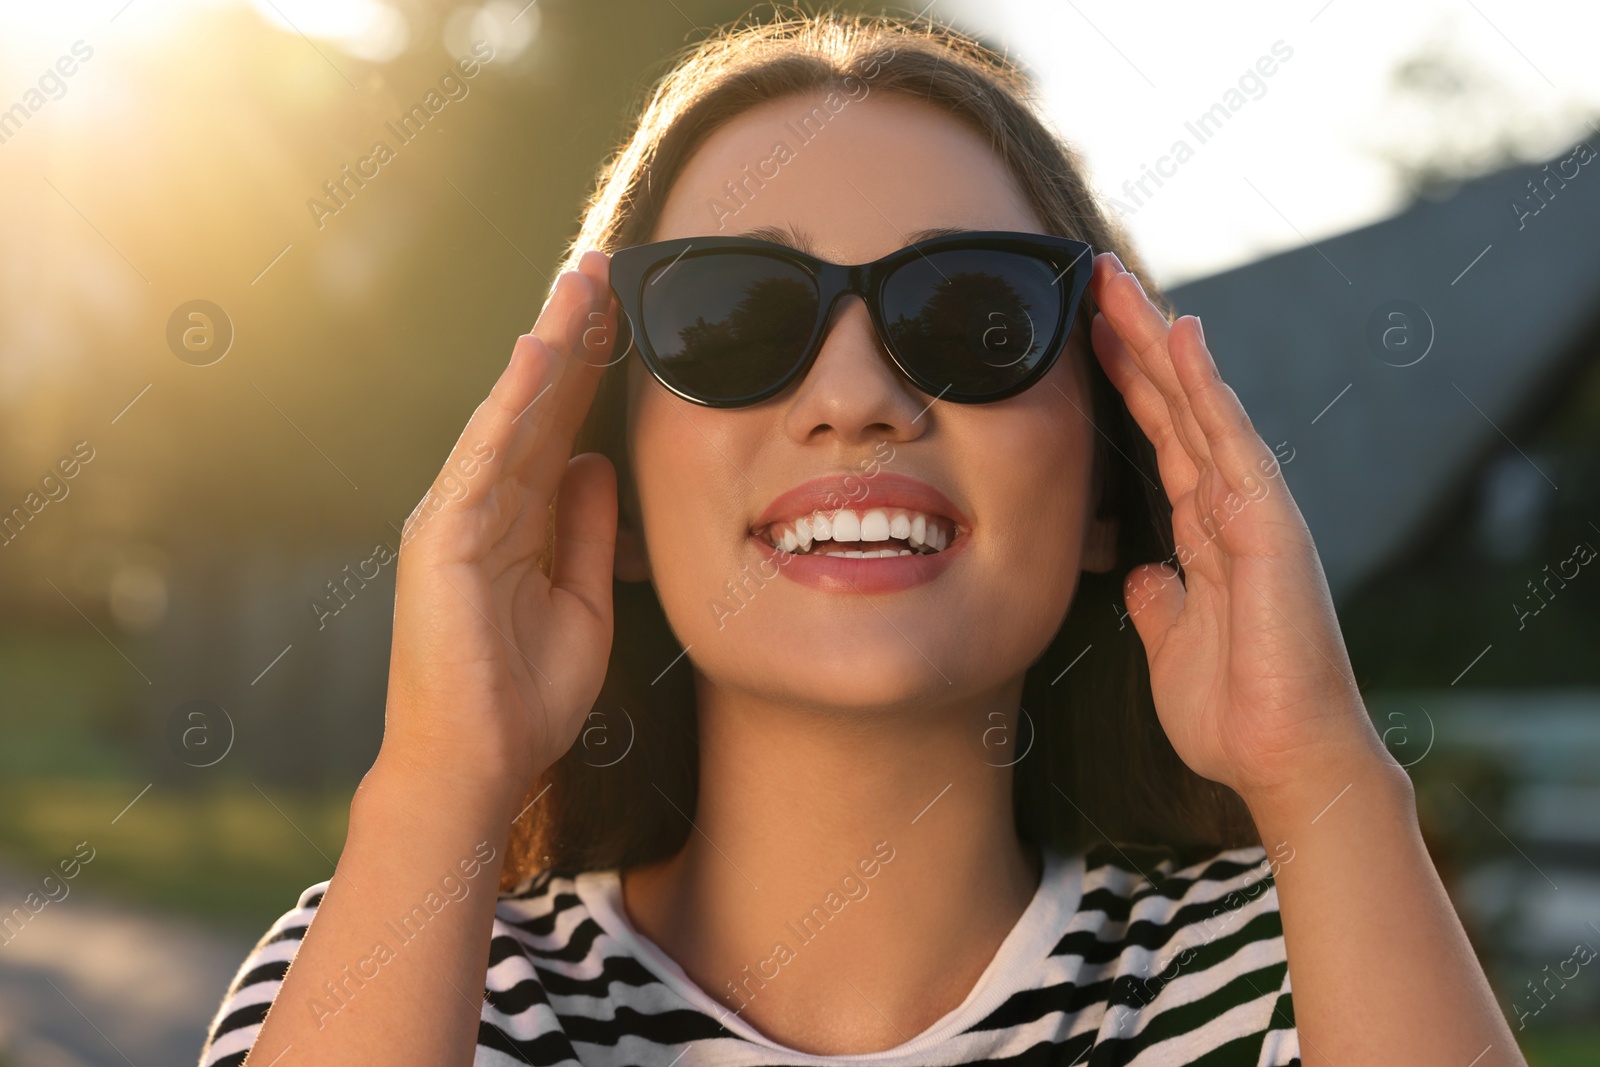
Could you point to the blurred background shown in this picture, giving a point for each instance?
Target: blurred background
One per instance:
(223, 389)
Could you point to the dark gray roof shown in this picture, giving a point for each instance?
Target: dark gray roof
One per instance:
(1512, 302)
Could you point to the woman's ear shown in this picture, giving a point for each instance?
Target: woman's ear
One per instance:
(1100, 547)
(632, 562)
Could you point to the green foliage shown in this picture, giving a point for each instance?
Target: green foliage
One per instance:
(1561, 1048)
(225, 855)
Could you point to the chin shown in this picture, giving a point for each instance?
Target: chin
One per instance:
(853, 668)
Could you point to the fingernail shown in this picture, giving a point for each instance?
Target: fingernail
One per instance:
(1199, 329)
(1116, 262)
(520, 347)
(1140, 284)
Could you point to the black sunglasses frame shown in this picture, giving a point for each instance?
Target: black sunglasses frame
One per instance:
(1071, 259)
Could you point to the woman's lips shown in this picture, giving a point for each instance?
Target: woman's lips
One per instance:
(859, 492)
(891, 500)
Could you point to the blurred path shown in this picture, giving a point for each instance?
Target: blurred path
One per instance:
(87, 983)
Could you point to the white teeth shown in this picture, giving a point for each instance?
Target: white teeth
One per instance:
(875, 525)
(816, 532)
(881, 553)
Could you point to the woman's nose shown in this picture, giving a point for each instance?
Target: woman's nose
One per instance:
(853, 389)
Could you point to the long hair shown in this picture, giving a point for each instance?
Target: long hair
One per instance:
(1099, 765)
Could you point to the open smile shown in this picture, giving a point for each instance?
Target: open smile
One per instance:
(863, 534)
(897, 532)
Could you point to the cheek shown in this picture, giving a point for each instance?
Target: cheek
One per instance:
(689, 506)
(1041, 476)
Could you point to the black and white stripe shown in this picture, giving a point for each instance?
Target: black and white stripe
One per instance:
(1122, 959)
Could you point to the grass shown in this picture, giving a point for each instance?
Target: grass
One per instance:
(68, 705)
(73, 744)
(228, 855)
(1562, 1048)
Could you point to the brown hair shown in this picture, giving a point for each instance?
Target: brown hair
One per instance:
(1100, 765)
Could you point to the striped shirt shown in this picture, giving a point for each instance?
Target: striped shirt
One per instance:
(1121, 957)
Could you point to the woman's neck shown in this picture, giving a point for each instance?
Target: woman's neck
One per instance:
(877, 848)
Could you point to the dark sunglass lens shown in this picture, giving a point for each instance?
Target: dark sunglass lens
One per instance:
(975, 320)
(728, 325)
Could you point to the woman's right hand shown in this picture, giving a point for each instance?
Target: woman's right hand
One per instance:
(494, 664)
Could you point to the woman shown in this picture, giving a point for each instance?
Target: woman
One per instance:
(1070, 768)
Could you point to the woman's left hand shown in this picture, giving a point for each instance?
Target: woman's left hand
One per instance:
(1247, 666)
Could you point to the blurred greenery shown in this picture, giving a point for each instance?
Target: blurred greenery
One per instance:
(228, 854)
(214, 848)
(1561, 1048)
(59, 712)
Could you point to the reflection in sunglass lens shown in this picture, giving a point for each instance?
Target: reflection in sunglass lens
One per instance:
(728, 325)
(976, 320)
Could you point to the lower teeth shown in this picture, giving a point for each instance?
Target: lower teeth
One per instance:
(878, 554)
(832, 548)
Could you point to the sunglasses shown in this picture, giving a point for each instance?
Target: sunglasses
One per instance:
(970, 317)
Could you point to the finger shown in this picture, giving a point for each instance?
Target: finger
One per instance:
(550, 423)
(1144, 332)
(567, 320)
(521, 415)
(1237, 450)
(1141, 325)
(479, 453)
(594, 331)
(597, 266)
(1148, 408)
(1154, 595)
(506, 418)
(586, 533)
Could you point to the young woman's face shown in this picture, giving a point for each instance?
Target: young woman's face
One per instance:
(1009, 480)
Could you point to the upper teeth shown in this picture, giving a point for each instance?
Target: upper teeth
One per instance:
(923, 533)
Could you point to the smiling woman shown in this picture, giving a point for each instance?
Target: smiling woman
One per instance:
(1198, 850)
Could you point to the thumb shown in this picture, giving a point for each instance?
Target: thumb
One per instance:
(586, 532)
(1154, 595)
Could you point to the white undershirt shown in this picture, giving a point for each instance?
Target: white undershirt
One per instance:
(1014, 967)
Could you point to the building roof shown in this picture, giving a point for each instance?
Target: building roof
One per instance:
(1503, 292)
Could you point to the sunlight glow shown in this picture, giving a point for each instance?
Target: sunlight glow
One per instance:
(367, 29)
(1326, 140)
